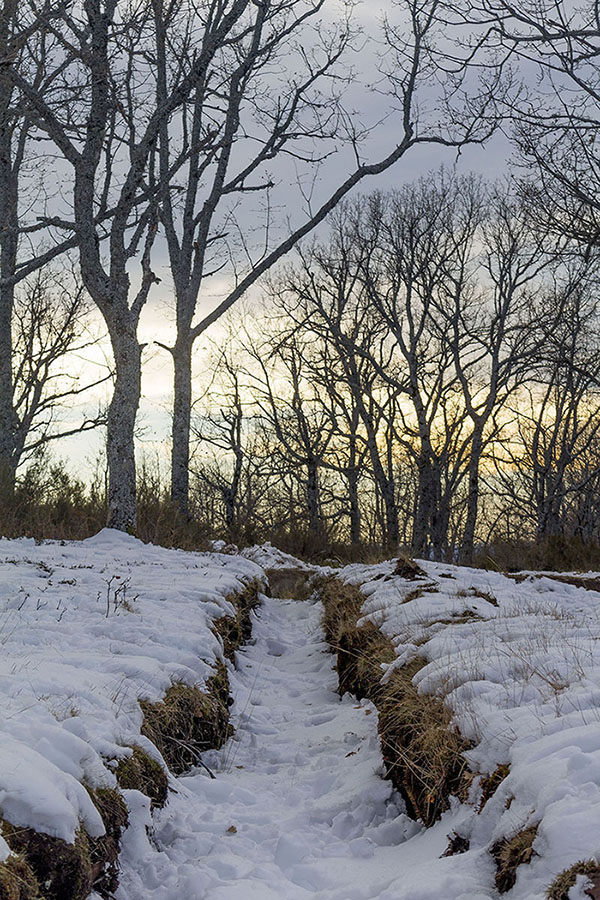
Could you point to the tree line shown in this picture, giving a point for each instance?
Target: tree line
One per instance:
(422, 332)
(430, 368)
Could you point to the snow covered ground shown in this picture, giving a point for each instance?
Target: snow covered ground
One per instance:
(297, 807)
(87, 629)
(519, 665)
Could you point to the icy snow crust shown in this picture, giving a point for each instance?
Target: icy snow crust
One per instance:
(87, 630)
(523, 680)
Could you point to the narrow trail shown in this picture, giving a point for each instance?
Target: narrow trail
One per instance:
(298, 807)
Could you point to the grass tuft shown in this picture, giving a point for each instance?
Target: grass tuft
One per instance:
(511, 852)
(188, 721)
(422, 751)
(142, 773)
(17, 881)
(235, 630)
(560, 887)
(491, 783)
(64, 870)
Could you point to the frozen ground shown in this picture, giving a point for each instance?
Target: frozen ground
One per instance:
(518, 662)
(87, 629)
(297, 808)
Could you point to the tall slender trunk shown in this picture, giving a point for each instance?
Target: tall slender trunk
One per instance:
(352, 476)
(122, 412)
(8, 417)
(420, 535)
(468, 538)
(8, 261)
(180, 431)
(313, 500)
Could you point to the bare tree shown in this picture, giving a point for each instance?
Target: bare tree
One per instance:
(25, 37)
(556, 114)
(553, 462)
(240, 102)
(105, 123)
(51, 330)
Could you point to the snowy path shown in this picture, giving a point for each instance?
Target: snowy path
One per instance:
(297, 808)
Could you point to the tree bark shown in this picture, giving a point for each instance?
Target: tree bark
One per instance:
(180, 433)
(8, 262)
(468, 538)
(122, 414)
(315, 520)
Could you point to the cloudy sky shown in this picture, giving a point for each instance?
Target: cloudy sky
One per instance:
(371, 108)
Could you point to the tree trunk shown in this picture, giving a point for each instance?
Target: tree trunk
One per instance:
(315, 521)
(8, 260)
(355, 517)
(122, 412)
(419, 544)
(468, 538)
(180, 432)
(8, 418)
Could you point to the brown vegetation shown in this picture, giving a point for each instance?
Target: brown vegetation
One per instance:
(559, 889)
(235, 630)
(422, 751)
(142, 773)
(511, 852)
(17, 881)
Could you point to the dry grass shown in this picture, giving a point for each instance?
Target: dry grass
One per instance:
(235, 630)
(511, 852)
(142, 773)
(555, 553)
(560, 887)
(17, 881)
(58, 870)
(491, 783)
(62, 870)
(188, 721)
(407, 568)
(104, 851)
(423, 752)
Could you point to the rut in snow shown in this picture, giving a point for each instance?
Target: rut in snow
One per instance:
(298, 807)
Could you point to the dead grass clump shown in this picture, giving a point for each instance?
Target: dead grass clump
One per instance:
(104, 851)
(188, 721)
(560, 887)
(491, 783)
(484, 595)
(407, 568)
(360, 651)
(510, 853)
(17, 881)
(590, 584)
(422, 750)
(142, 773)
(235, 630)
(64, 870)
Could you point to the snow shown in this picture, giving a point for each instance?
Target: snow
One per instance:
(87, 630)
(521, 673)
(270, 557)
(298, 807)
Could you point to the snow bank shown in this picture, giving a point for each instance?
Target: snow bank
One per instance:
(87, 630)
(519, 666)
